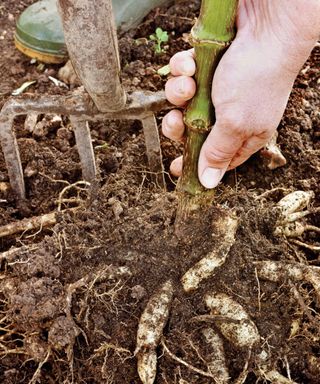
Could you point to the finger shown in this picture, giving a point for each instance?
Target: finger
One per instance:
(182, 63)
(249, 147)
(216, 154)
(180, 89)
(176, 166)
(173, 125)
(236, 164)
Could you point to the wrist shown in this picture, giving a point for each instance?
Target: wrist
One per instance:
(309, 14)
(305, 28)
(288, 29)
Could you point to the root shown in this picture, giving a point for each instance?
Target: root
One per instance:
(300, 215)
(60, 200)
(213, 318)
(270, 192)
(244, 374)
(35, 376)
(206, 267)
(274, 376)
(104, 349)
(273, 152)
(295, 229)
(109, 295)
(32, 223)
(314, 248)
(241, 333)
(259, 289)
(189, 366)
(217, 365)
(108, 273)
(304, 307)
(151, 324)
(147, 366)
(11, 255)
(154, 317)
(29, 224)
(312, 228)
(277, 271)
(15, 351)
(293, 202)
(291, 208)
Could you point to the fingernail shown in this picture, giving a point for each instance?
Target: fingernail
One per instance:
(211, 177)
(188, 68)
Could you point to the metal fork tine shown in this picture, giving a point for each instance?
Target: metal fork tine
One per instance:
(12, 156)
(85, 148)
(151, 134)
(140, 106)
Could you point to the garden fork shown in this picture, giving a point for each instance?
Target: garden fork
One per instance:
(91, 40)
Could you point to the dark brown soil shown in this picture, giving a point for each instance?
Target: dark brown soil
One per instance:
(57, 328)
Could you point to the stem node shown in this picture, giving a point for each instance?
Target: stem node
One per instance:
(211, 35)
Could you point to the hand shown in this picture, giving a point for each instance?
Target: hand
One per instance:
(251, 85)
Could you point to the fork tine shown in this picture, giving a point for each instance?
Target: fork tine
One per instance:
(12, 157)
(152, 140)
(85, 148)
(140, 106)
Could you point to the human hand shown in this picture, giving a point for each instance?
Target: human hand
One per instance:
(251, 85)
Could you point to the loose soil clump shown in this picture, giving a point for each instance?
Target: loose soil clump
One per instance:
(72, 294)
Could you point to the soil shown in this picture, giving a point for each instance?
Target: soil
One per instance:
(68, 314)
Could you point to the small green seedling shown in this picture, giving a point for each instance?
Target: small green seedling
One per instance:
(159, 37)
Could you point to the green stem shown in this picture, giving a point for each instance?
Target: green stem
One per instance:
(211, 36)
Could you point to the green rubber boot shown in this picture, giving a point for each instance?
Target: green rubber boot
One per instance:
(39, 32)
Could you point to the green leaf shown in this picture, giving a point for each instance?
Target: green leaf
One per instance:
(152, 37)
(164, 37)
(159, 32)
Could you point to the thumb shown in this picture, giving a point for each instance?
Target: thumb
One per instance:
(216, 154)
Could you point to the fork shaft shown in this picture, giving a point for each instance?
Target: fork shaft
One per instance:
(91, 40)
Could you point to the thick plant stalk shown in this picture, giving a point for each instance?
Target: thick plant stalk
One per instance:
(211, 35)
